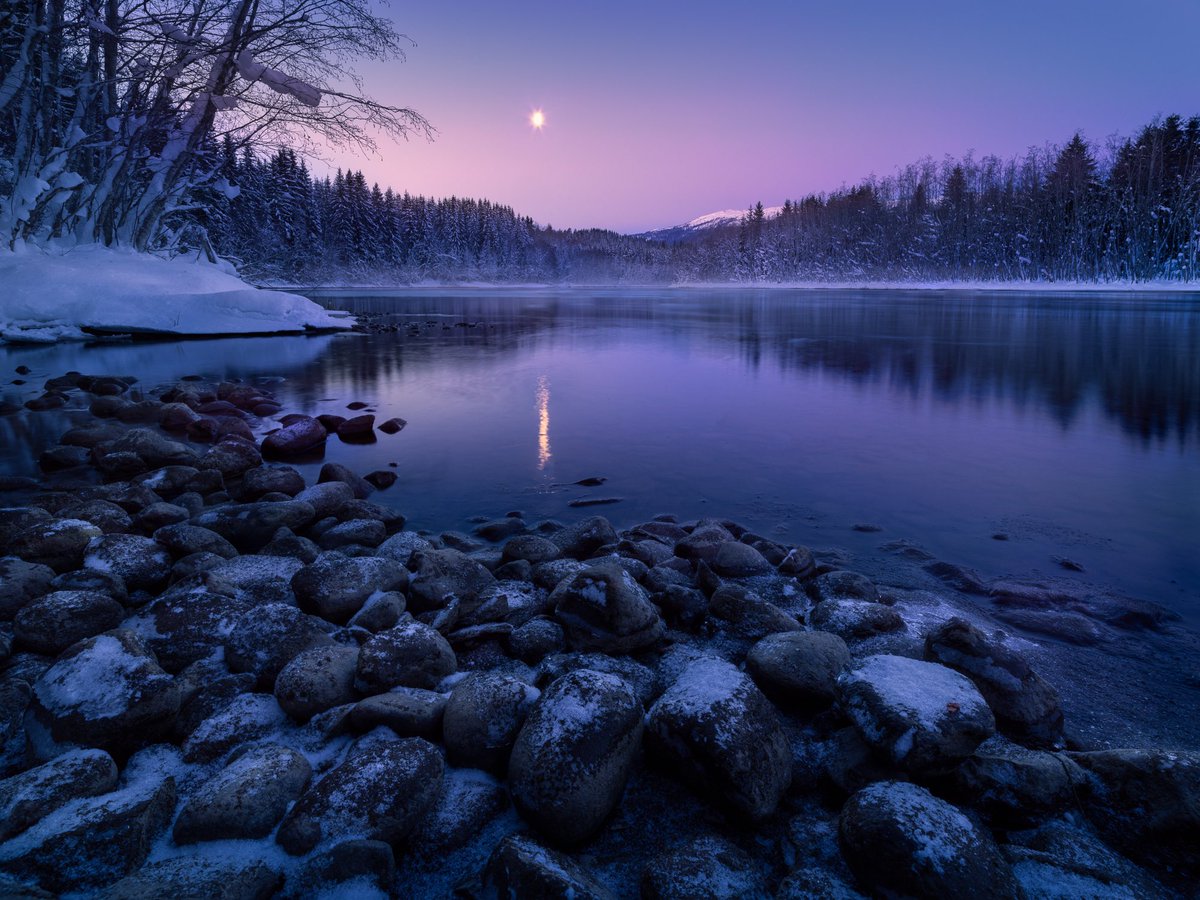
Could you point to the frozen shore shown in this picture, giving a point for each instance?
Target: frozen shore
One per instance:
(216, 675)
(54, 295)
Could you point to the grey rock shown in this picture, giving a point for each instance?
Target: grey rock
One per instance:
(716, 729)
(799, 667)
(104, 514)
(260, 578)
(356, 532)
(844, 585)
(855, 619)
(299, 437)
(811, 883)
(483, 716)
(468, 801)
(139, 561)
(439, 575)
(187, 623)
(402, 545)
(271, 480)
(331, 472)
(535, 640)
(231, 457)
(734, 559)
(106, 691)
(410, 712)
(568, 767)
(379, 612)
(704, 867)
(250, 526)
(531, 548)
(900, 839)
(184, 539)
(317, 679)
(54, 622)
(703, 543)
(187, 877)
(267, 638)
(643, 680)
(521, 867)
(246, 799)
(745, 614)
(921, 716)
(21, 582)
(604, 608)
(581, 539)
(285, 543)
(336, 587)
(159, 515)
(30, 796)
(380, 793)
(246, 718)
(410, 655)
(59, 543)
(1013, 786)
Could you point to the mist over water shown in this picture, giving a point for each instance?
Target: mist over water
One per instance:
(1071, 424)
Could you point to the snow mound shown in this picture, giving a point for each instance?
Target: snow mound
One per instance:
(47, 296)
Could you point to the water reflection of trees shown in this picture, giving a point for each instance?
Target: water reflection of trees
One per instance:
(1137, 356)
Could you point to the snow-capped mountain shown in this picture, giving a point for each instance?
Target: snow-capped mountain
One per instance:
(701, 225)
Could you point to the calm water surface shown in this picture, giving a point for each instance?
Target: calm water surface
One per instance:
(1071, 424)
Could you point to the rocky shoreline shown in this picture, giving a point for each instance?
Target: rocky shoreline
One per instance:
(219, 680)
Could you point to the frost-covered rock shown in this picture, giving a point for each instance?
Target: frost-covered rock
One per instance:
(409, 655)
(184, 539)
(521, 867)
(799, 667)
(104, 514)
(246, 799)
(844, 585)
(410, 712)
(187, 624)
(483, 716)
(704, 867)
(92, 842)
(534, 640)
(54, 622)
(812, 883)
(439, 575)
(244, 719)
(468, 801)
(231, 457)
(644, 681)
(58, 543)
(106, 691)
(259, 578)
(317, 679)
(900, 839)
(336, 587)
(264, 639)
(853, 619)
(21, 582)
(583, 538)
(138, 561)
(400, 546)
(35, 793)
(190, 876)
(379, 793)
(573, 754)
(603, 608)
(250, 526)
(351, 868)
(745, 614)
(1014, 786)
(921, 716)
(714, 728)
(1027, 709)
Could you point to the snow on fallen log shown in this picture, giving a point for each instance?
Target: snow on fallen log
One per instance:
(48, 296)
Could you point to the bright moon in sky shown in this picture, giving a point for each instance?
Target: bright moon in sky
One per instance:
(537, 119)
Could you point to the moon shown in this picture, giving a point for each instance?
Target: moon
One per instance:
(537, 119)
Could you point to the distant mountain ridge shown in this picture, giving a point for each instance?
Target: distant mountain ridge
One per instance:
(702, 225)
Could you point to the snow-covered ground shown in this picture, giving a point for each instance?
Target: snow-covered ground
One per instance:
(53, 295)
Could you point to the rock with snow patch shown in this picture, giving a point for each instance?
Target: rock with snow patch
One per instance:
(744, 613)
(139, 561)
(855, 619)
(260, 578)
(468, 801)
(54, 622)
(104, 514)
(357, 860)
(572, 756)
(702, 868)
(380, 793)
(844, 585)
(1013, 786)
(900, 839)
(184, 539)
(317, 679)
(35, 793)
(717, 730)
(1027, 709)
(335, 587)
(379, 612)
(92, 842)
(402, 545)
(583, 538)
(643, 680)
(799, 667)
(410, 712)
(58, 543)
(246, 718)
(246, 799)
(106, 691)
(410, 655)
(483, 716)
(266, 638)
(20, 582)
(187, 623)
(921, 716)
(603, 608)
(439, 575)
(521, 867)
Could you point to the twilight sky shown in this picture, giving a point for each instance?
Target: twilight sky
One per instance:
(661, 110)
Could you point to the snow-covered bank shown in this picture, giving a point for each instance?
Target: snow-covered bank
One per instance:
(58, 295)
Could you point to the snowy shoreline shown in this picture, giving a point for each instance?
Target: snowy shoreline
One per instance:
(76, 294)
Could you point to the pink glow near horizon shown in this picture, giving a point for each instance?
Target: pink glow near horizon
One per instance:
(654, 116)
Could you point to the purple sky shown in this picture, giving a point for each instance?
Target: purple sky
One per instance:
(661, 111)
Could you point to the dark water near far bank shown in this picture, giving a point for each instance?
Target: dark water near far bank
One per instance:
(1069, 423)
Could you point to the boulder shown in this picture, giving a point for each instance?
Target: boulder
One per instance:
(106, 691)
(703, 543)
(572, 756)
(54, 622)
(745, 614)
(354, 533)
(701, 868)
(844, 585)
(855, 619)
(266, 638)
(716, 729)
(250, 526)
(468, 802)
(58, 543)
(439, 575)
(799, 668)
(483, 716)
(581, 539)
(231, 457)
(899, 839)
(410, 712)
(1013, 786)
(1027, 709)
(29, 797)
(246, 799)
(921, 716)
(301, 436)
(331, 472)
(521, 867)
(104, 514)
(410, 655)
(184, 540)
(190, 876)
(259, 578)
(21, 582)
(328, 498)
(379, 793)
(532, 548)
(92, 842)
(317, 679)
(603, 608)
(244, 719)
(187, 623)
(139, 561)
(734, 559)
(336, 587)
(271, 480)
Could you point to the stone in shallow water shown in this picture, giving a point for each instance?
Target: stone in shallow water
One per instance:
(922, 716)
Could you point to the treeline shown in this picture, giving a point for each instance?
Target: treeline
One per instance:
(1129, 212)
(279, 223)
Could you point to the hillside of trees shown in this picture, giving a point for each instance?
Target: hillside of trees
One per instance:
(1130, 212)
